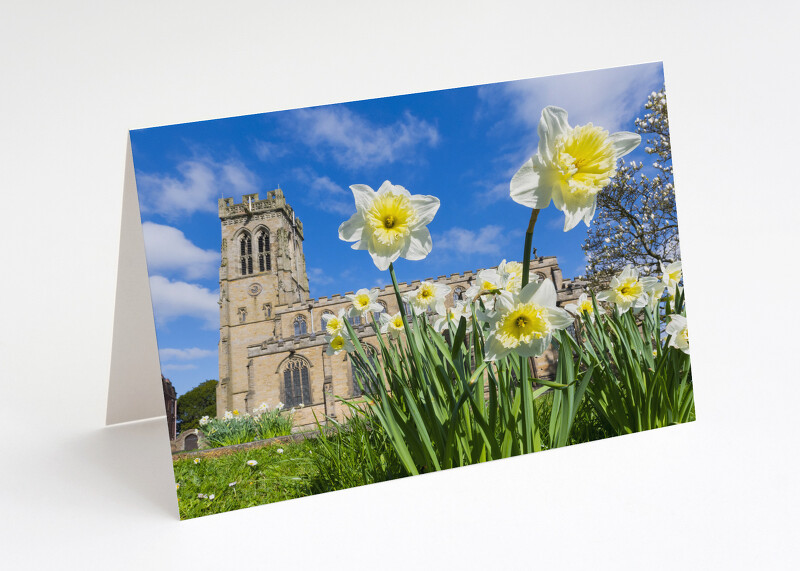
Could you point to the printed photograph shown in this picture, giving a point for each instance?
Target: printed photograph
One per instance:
(360, 292)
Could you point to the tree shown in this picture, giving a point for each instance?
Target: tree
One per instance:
(195, 404)
(635, 221)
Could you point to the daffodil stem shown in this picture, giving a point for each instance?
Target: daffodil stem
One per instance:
(526, 257)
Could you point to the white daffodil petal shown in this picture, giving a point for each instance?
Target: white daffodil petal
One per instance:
(386, 187)
(571, 219)
(352, 229)
(545, 294)
(363, 195)
(426, 207)
(624, 142)
(559, 318)
(526, 189)
(588, 213)
(534, 348)
(552, 125)
(419, 245)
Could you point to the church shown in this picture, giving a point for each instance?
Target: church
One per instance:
(272, 334)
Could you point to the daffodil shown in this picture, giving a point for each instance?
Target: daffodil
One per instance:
(228, 415)
(572, 165)
(628, 291)
(671, 275)
(428, 296)
(337, 344)
(453, 315)
(524, 323)
(390, 223)
(486, 280)
(510, 275)
(204, 420)
(364, 301)
(391, 325)
(679, 333)
(583, 307)
(334, 324)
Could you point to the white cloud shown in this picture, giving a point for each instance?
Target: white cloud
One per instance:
(267, 151)
(322, 193)
(173, 299)
(169, 251)
(200, 183)
(185, 354)
(609, 98)
(354, 142)
(487, 240)
(318, 277)
(176, 367)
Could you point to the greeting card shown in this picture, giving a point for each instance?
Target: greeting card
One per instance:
(360, 292)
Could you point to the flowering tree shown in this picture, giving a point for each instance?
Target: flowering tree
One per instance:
(635, 221)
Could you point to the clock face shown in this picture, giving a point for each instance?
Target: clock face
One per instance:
(254, 289)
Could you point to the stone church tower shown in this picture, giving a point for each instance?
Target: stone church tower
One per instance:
(262, 268)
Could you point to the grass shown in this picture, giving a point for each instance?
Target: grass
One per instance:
(276, 477)
(354, 454)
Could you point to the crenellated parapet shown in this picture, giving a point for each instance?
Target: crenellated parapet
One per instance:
(254, 206)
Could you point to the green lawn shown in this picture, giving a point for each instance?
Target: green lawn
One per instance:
(234, 485)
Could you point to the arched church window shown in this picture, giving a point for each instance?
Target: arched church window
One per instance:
(300, 326)
(458, 294)
(368, 382)
(246, 254)
(296, 387)
(264, 259)
(354, 320)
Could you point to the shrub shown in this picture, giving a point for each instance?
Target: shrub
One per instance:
(234, 428)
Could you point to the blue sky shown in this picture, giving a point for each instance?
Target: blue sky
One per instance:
(461, 145)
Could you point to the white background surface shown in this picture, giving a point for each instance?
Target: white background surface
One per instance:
(717, 494)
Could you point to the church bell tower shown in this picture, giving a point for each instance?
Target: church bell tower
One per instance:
(262, 267)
